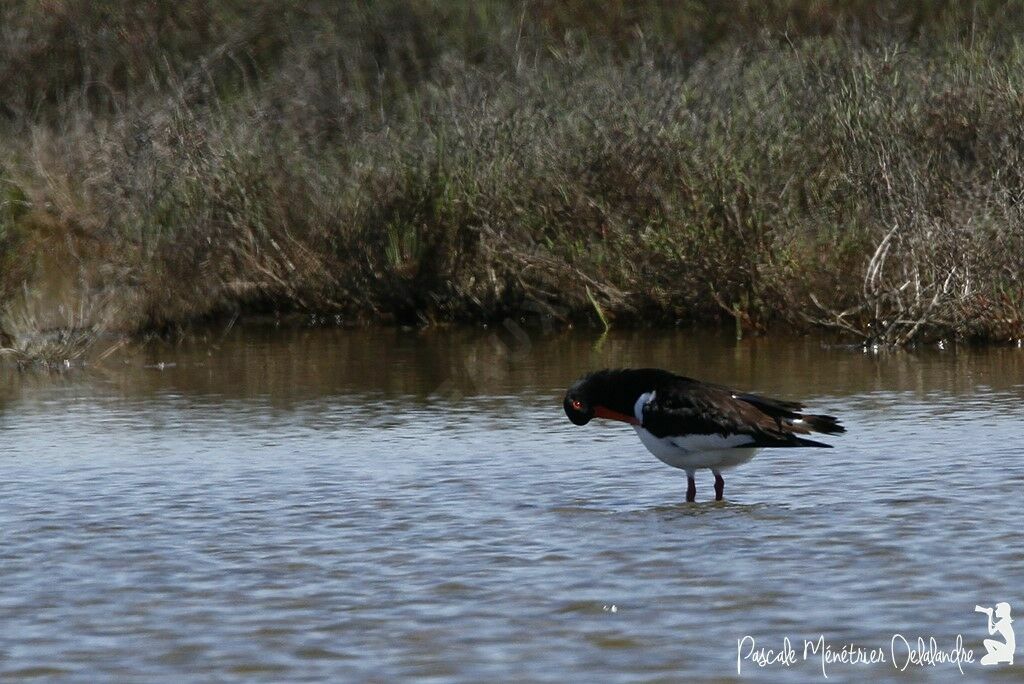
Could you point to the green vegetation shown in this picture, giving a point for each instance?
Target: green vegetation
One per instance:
(847, 165)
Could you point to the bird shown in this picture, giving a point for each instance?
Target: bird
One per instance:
(690, 424)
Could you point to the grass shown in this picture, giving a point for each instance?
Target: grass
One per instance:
(795, 163)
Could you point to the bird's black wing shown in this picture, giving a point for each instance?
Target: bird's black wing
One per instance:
(687, 407)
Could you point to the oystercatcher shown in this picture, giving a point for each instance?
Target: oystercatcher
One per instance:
(690, 424)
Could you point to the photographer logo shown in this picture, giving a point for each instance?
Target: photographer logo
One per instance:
(998, 651)
(903, 653)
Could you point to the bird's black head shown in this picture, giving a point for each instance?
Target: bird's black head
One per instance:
(609, 394)
(577, 405)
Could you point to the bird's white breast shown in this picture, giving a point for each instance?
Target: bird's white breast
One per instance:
(692, 451)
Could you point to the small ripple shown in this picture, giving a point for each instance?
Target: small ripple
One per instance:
(616, 642)
(33, 672)
(315, 653)
(582, 608)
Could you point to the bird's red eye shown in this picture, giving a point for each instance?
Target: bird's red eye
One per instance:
(577, 405)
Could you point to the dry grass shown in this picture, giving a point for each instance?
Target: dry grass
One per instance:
(853, 167)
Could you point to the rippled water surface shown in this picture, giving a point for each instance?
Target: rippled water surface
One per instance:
(385, 505)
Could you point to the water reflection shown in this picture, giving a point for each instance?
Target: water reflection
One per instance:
(426, 365)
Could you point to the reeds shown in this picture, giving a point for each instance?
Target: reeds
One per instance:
(855, 167)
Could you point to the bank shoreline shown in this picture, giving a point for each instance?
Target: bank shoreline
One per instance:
(767, 165)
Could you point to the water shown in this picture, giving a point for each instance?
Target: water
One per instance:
(384, 505)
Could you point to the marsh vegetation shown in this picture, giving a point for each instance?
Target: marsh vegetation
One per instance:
(797, 163)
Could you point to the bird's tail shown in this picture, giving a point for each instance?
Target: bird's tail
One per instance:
(828, 425)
